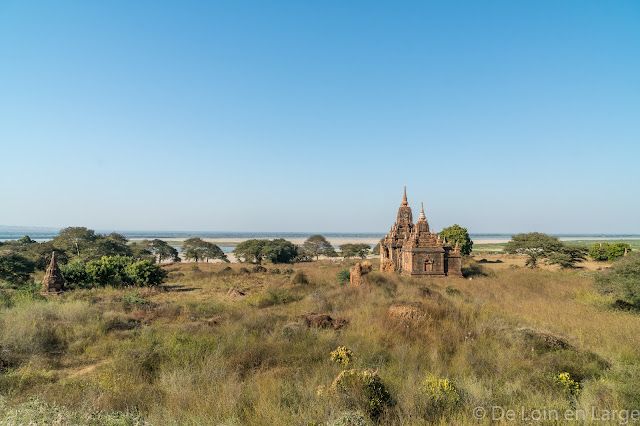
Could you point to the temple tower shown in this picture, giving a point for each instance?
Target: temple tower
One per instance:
(53, 280)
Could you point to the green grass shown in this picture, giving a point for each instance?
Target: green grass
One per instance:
(197, 354)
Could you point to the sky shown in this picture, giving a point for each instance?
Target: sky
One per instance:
(311, 116)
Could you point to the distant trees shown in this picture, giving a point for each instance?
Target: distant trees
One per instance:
(75, 239)
(355, 250)
(376, 249)
(250, 251)
(197, 249)
(457, 233)
(161, 250)
(608, 251)
(280, 251)
(539, 246)
(275, 251)
(317, 245)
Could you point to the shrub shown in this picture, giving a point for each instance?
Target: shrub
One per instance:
(442, 395)
(351, 418)
(145, 273)
(452, 291)
(14, 268)
(622, 280)
(605, 251)
(74, 273)
(567, 384)
(365, 389)
(272, 297)
(344, 276)
(342, 356)
(134, 298)
(471, 268)
(299, 278)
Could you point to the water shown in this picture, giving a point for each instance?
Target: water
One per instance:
(352, 236)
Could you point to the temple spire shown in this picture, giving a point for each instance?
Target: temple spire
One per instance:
(404, 197)
(422, 216)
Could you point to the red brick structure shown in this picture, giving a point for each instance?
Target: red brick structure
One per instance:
(414, 250)
(53, 280)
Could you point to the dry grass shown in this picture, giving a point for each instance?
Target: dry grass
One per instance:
(196, 353)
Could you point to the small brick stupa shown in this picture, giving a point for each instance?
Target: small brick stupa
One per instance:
(53, 280)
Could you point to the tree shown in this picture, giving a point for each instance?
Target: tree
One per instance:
(250, 251)
(15, 268)
(75, 239)
(542, 246)
(140, 251)
(161, 249)
(40, 254)
(212, 251)
(194, 248)
(606, 251)
(107, 245)
(26, 240)
(279, 251)
(355, 250)
(318, 245)
(567, 256)
(457, 233)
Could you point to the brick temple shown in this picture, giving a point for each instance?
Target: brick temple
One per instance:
(414, 250)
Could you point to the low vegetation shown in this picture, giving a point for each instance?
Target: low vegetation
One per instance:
(217, 345)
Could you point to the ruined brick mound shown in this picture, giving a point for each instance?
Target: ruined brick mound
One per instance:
(544, 340)
(234, 292)
(358, 271)
(312, 319)
(406, 312)
(387, 266)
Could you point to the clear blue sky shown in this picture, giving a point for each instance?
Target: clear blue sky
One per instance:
(502, 116)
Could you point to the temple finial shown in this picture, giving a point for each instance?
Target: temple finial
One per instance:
(422, 216)
(404, 197)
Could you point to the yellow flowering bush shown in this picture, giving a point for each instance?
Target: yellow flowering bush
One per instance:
(564, 380)
(364, 388)
(442, 394)
(342, 356)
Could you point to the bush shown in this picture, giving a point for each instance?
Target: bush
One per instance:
(608, 252)
(145, 273)
(622, 280)
(74, 273)
(442, 396)
(365, 388)
(299, 278)
(567, 384)
(14, 268)
(342, 356)
(344, 276)
(117, 271)
(272, 297)
(134, 298)
(351, 418)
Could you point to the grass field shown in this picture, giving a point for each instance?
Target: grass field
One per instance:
(197, 353)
